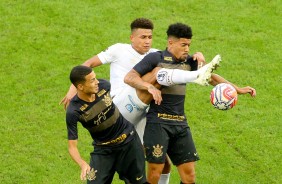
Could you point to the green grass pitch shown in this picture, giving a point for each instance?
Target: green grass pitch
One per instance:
(40, 41)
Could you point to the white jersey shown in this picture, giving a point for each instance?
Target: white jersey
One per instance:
(122, 58)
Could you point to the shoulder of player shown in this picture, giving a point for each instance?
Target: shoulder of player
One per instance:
(117, 47)
(156, 53)
(120, 45)
(104, 84)
(73, 107)
(154, 56)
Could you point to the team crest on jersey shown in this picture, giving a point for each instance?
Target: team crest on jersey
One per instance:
(166, 58)
(100, 93)
(107, 99)
(83, 107)
(158, 151)
(92, 174)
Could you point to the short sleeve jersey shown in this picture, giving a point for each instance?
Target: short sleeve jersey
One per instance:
(122, 58)
(101, 118)
(171, 110)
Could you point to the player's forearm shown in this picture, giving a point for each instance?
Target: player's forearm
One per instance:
(133, 79)
(72, 91)
(93, 62)
(217, 79)
(74, 153)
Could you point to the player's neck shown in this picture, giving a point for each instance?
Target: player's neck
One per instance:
(136, 50)
(86, 97)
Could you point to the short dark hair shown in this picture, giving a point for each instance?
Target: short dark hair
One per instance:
(78, 73)
(142, 23)
(179, 30)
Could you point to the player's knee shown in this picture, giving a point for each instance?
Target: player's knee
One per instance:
(154, 172)
(167, 166)
(190, 177)
(154, 175)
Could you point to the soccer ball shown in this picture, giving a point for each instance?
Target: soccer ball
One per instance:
(223, 96)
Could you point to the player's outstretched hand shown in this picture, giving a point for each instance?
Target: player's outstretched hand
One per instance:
(156, 93)
(200, 59)
(85, 169)
(65, 101)
(247, 89)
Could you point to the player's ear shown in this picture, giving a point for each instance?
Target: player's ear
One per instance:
(80, 87)
(170, 41)
(131, 37)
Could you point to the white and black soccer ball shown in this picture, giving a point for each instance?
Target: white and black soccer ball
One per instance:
(223, 96)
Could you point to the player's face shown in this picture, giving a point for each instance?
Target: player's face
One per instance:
(141, 40)
(90, 85)
(179, 47)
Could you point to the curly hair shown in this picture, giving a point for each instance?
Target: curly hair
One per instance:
(142, 23)
(179, 30)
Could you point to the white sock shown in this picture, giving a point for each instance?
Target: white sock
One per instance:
(164, 179)
(169, 77)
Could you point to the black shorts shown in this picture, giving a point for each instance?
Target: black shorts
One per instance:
(174, 140)
(127, 160)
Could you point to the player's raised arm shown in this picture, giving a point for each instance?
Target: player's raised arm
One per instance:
(133, 78)
(93, 62)
(216, 79)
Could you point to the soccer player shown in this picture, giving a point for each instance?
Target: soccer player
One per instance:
(167, 131)
(117, 145)
(122, 57)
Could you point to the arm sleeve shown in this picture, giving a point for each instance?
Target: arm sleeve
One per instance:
(109, 55)
(71, 121)
(148, 63)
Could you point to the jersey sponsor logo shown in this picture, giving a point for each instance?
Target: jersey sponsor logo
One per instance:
(119, 139)
(171, 117)
(132, 106)
(166, 58)
(100, 93)
(91, 175)
(83, 107)
(158, 151)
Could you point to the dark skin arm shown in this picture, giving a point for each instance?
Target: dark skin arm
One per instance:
(134, 79)
(216, 79)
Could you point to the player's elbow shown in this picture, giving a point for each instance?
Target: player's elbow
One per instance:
(127, 79)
